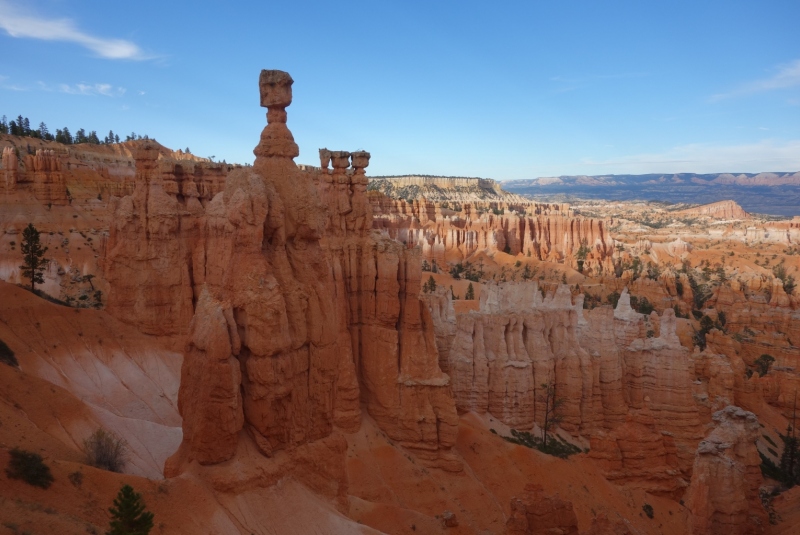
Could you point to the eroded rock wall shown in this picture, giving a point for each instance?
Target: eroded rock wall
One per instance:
(542, 231)
(723, 494)
(296, 313)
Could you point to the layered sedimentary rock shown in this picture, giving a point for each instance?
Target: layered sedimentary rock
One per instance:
(148, 261)
(723, 494)
(719, 210)
(10, 169)
(628, 389)
(43, 169)
(49, 184)
(458, 189)
(296, 312)
(542, 231)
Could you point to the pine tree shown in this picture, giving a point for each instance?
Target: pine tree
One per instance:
(43, 131)
(110, 138)
(32, 256)
(116, 138)
(129, 516)
(790, 467)
(470, 295)
(4, 125)
(80, 136)
(63, 136)
(551, 406)
(26, 127)
(13, 129)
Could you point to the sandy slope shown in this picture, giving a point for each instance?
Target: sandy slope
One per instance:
(128, 382)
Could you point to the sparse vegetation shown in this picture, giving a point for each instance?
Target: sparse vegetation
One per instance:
(105, 450)
(430, 286)
(648, 510)
(556, 446)
(30, 468)
(470, 295)
(763, 363)
(7, 356)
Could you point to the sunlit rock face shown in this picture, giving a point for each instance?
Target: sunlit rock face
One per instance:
(294, 311)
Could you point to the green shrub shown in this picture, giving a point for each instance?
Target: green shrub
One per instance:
(763, 363)
(769, 468)
(556, 446)
(648, 510)
(7, 356)
(29, 467)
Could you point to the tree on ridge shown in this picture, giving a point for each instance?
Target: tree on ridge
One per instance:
(32, 256)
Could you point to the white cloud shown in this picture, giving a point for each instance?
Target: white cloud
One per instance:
(92, 89)
(11, 87)
(766, 155)
(788, 75)
(17, 24)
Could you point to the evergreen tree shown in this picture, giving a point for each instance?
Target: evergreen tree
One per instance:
(32, 256)
(551, 406)
(110, 137)
(429, 286)
(470, 295)
(63, 136)
(43, 131)
(790, 460)
(116, 138)
(4, 125)
(129, 516)
(80, 136)
(92, 138)
(26, 127)
(13, 129)
(20, 125)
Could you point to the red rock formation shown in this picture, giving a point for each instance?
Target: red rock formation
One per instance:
(49, 184)
(210, 399)
(723, 494)
(43, 169)
(534, 513)
(147, 260)
(717, 210)
(10, 169)
(547, 232)
(319, 314)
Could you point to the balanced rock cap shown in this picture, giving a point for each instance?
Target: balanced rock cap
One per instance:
(276, 88)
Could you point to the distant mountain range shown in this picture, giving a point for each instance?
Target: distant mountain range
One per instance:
(764, 193)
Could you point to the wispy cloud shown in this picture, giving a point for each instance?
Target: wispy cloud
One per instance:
(92, 89)
(12, 87)
(787, 75)
(766, 155)
(83, 88)
(24, 25)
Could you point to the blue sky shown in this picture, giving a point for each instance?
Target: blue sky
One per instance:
(507, 90)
